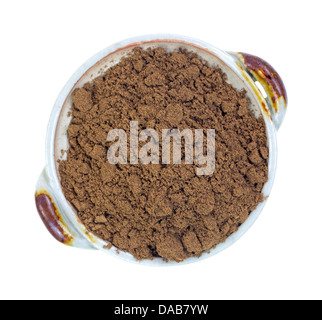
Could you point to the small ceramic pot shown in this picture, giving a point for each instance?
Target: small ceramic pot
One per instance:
(264, 88)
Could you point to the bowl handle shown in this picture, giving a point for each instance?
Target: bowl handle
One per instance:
(261, 71)
(52, 217)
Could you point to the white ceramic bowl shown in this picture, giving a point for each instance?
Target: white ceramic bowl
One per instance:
(243, 71)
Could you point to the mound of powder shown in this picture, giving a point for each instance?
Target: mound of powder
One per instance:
(157, 210)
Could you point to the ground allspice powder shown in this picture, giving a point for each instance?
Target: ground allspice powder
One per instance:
(157, 210)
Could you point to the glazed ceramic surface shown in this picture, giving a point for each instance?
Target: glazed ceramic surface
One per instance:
(243, 72)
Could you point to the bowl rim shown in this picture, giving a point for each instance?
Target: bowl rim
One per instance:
(66, 209)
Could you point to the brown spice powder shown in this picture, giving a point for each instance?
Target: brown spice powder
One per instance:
(160, 210)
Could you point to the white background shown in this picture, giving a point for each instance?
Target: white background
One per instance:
(42, 45)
